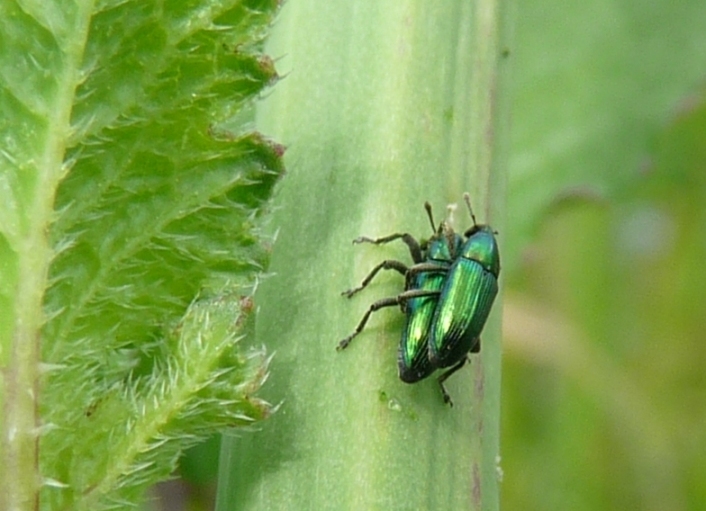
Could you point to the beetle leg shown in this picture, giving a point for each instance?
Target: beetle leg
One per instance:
(444, 377)
(434, 267)
(409, 240)
(385, 302)
(476, 346)
(385, 265)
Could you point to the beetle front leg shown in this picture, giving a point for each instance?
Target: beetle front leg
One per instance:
(409, 240)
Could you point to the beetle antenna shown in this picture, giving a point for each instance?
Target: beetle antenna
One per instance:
(467, 198)
(427, 206)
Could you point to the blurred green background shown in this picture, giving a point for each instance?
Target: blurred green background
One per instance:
(604, 388)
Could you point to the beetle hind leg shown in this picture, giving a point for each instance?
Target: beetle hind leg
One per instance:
(400, 299)
(445, 375)
(385, 302)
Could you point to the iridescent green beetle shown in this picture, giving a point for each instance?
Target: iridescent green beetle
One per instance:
(413, 361)
(466, 298)
(447, 298)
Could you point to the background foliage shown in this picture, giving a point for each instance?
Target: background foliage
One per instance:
(604, 355)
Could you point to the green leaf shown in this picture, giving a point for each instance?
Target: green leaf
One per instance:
(129, 234)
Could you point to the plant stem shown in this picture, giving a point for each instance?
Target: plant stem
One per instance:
(384, 106)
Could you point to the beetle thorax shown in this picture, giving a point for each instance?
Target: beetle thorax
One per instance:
(482, 247)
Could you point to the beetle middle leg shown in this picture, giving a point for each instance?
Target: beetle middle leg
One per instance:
(408, 271)
(388, 264)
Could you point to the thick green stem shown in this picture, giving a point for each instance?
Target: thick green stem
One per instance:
(385, 105)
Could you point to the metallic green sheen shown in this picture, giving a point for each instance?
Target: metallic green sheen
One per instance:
(482, 247)
(412, 358)
(466, 299)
